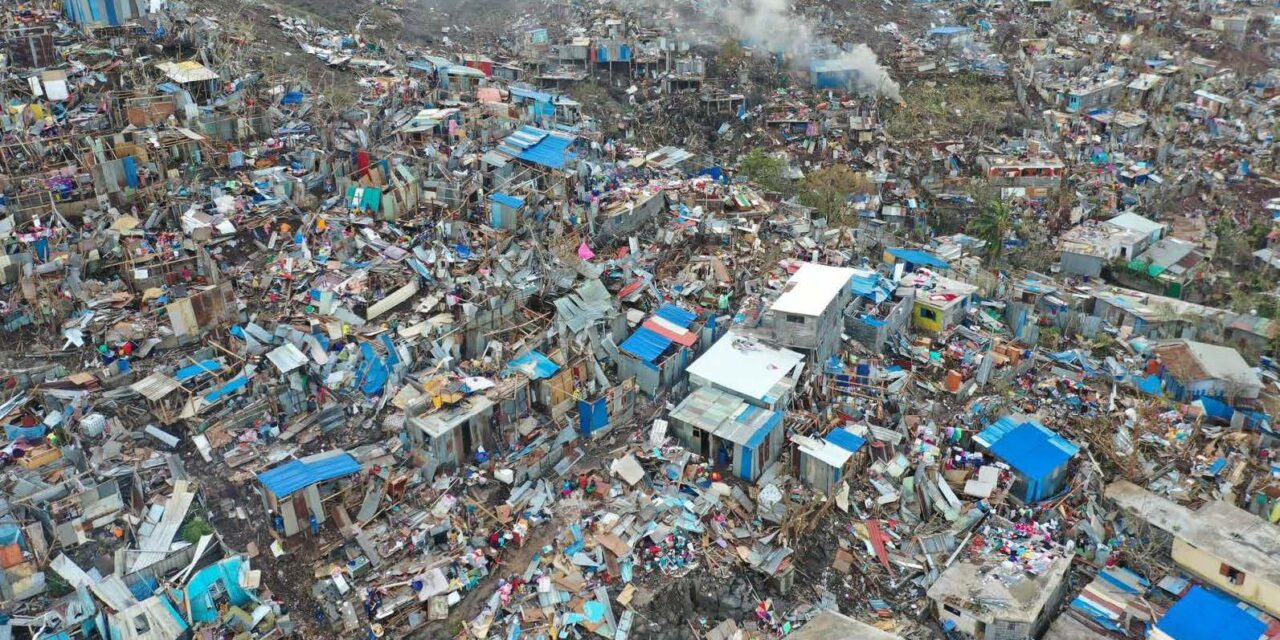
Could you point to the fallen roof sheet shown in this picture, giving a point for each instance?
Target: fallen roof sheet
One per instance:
(287, 357)
(155, 386)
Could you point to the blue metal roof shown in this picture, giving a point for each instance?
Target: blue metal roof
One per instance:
(645, 344)
(1208, 615)
(1032, 450)
(846, 440)
(873, 286)
(532, 94)
(507, 200)
(198, 369)
(538, 146)
(918, 257)
(675, 315)
(535, 365)
(291, 476)
(775, 419)
(833, 65)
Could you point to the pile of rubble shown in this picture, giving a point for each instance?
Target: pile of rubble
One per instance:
(692, 323)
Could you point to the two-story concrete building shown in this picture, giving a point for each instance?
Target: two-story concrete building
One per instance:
(809, 314)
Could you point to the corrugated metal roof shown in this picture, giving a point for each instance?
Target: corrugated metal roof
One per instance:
(1033, 452)
(538, 147)
(645, 344)
(670, 331)
(821, 450)
(845, 439)
(291, 476)
(446, 420)
(727, 417)
(507, 200)
(750, 426)
(155, 386)
(156, 538)
(187, 71)
(1000, 428)
(532, 94)
(676, 315)
(287, 357)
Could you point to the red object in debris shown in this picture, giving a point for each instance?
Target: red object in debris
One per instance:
(877, 543)
(362, 163)
(630, 289)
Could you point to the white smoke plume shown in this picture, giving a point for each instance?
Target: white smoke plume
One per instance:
(870, 76)
(771, 24)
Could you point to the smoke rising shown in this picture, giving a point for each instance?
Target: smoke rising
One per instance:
(771, 24)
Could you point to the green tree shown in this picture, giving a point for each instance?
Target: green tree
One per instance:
(764, 170)
(992, 226)
(732, 56)
(827, 189)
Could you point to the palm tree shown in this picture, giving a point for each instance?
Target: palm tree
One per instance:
(992, 226)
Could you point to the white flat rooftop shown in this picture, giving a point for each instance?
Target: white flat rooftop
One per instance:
(812, 288)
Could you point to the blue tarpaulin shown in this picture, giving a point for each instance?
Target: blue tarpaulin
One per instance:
(1208, 615)
(294, 475)
(1151, 385)
(531, 94)
(919, 258)
(592, 416)
(535, 365)
(373, 373)
(874, 287)
(197, 370)
(235, 384)
(14, 432)
(1217, 409)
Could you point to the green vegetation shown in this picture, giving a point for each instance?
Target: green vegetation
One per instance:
(993, 226)
(196, 528)
(964, 105)
(764, 170)
(1050, 337)
(827, 189)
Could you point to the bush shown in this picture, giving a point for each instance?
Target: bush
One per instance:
(195, 529)
(1050, 337)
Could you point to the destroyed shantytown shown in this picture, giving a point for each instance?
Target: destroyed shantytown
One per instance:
(639, 319)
